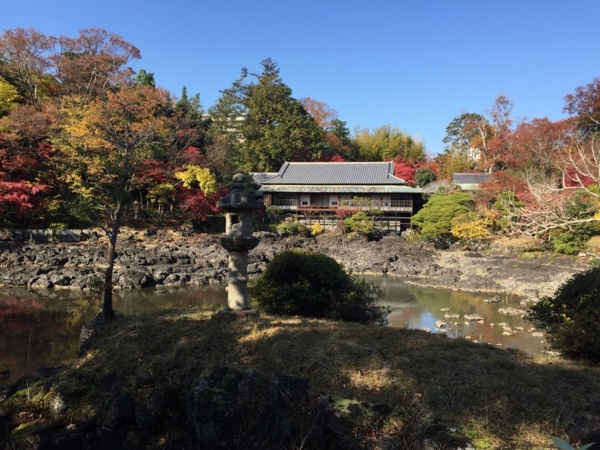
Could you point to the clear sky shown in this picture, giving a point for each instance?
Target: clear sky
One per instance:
(412, 64)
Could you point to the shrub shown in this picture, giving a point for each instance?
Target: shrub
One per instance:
(572, 316)
(360, 222)
(316, 229)
(310, 284)
(293, 229)
(471, 226)
(573, 241)
(434, 220)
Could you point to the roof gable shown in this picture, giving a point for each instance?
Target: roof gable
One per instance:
(336, 173)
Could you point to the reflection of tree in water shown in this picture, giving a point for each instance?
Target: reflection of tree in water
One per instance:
(37, 333)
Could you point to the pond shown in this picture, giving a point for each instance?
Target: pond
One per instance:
(41, 329)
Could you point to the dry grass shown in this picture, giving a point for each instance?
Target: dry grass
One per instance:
(497, 398)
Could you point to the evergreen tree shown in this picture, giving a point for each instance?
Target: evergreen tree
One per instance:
(276, 128)
(145, 79)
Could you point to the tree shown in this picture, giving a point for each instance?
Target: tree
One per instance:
(225, 134)
(538, 143)
(320, 111)
(467, 136)
(276, 128)
(109, 143)
(482, 141)
(24, 60)
(584, 104)
(425, 175)
(544, 207)
(91, 64)
(386, 143)
(405, 169)
(8, 96)
(338, 144)
(145, 78)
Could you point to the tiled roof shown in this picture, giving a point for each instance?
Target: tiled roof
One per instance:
(338, 173)
(471, 178)
(261, 177)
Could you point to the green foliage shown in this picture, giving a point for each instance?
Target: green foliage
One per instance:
(582, 205)
(310, 284)
(360, 222)
(276, 127)
(571, 317)
(424, 176)
(78, 212)
(386, 143)
(573, 241)
(435, 218)
(293, 229)
(273, 213)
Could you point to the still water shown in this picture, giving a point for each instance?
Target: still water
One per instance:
(41, 329)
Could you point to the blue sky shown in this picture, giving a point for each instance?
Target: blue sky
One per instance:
(414, 65)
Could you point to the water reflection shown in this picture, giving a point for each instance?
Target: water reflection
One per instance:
(422, 307)
(42, 329)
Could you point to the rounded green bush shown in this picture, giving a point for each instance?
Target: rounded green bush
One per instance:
(571, 317)
(310, 284)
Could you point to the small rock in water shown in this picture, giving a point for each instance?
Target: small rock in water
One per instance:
(494, 299)
(445, 309)
(451, 316)
(510, 311)
(473, 317)
(440, 324)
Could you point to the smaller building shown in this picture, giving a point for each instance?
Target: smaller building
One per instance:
(325, 188)
(470, 181)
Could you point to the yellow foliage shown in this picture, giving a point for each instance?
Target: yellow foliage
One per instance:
(471, 226)
(201, 175)
(316, 229)
(9, 96)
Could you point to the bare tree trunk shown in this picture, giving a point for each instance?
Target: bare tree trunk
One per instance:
(107, 304)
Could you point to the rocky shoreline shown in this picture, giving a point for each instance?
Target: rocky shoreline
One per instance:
(148, 259)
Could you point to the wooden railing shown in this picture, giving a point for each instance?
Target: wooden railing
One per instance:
(405, 205)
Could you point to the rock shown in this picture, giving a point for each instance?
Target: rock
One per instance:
(510, 311)
(132, 279)
(282, 410)
(476, 317)
(494, 299)
(149, 411)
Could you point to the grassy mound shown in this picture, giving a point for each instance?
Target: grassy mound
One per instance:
(383, 385)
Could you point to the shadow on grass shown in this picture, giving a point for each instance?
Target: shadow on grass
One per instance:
(405, 383)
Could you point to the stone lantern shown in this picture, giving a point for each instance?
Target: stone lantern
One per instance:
(239, 206)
